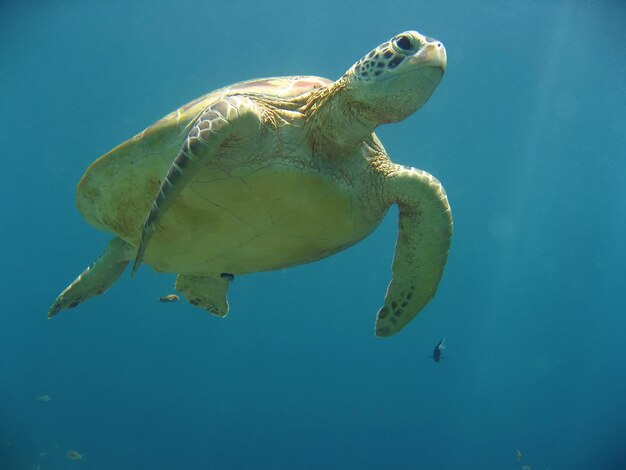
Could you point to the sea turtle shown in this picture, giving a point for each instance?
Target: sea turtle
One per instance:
(272, 173)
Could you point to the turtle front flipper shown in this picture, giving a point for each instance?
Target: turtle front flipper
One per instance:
(97, 278)
(425, 231)
(233, 115)
(207, 292)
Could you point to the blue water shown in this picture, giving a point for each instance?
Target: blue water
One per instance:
(527, 132)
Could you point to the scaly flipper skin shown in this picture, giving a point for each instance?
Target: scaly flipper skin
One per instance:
(425, 231)
(207, 292)
(97, 278)
(214, 126)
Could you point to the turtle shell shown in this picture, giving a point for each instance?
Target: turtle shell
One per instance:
(261, 206)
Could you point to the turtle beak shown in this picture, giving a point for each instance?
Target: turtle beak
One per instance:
(433, 54)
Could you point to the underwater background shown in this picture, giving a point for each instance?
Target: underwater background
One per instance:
(527, 133)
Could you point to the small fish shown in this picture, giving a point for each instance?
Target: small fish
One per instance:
(438, 349)
(45, 398)
(73, 455)
(526, 467)
(518, 455)
(169, 298)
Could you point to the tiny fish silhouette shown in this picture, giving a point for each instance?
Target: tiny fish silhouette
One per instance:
(438, 349)
(44, 398)
(73, 455)
(169, 298)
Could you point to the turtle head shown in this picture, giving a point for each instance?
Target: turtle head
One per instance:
(395, 79)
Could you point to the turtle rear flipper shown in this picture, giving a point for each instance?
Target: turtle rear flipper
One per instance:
(207, 292)
(97, 278)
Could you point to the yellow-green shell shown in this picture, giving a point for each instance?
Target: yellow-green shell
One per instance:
(265, 204)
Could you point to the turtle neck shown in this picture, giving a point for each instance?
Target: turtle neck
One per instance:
(336, 125)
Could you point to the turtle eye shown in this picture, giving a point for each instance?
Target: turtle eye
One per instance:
(404, 44)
